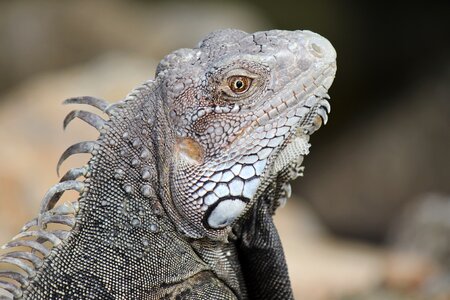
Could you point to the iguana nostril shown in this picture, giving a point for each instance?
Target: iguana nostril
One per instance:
(317, 50)
(319, 47)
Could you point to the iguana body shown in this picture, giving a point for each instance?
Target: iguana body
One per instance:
(178, 197)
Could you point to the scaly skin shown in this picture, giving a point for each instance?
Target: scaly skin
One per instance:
(178, 197)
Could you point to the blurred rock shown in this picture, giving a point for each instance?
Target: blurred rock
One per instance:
(424, 228)
(321, 266)
(421, 238)
(361, 181)
(417, 263)
(49, 34)
(386, 294)
(408, 271)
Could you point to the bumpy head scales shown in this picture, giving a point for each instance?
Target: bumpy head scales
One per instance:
(242, 107)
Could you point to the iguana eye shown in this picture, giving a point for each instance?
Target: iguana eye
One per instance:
(239, 84)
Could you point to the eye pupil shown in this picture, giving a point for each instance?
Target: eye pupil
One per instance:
(239, 84)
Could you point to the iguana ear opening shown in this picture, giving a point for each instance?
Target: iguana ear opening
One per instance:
(189, 151)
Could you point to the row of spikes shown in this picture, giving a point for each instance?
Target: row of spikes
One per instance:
(28, 262)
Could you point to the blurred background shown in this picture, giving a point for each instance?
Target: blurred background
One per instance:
(371, 217)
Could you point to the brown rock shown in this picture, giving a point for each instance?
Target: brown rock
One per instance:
(408, 271)
(321, 266)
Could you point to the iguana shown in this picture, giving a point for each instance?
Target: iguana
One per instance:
(177, 199)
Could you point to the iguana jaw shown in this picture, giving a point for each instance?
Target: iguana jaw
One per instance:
(284, 162)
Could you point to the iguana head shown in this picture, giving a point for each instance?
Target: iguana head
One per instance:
(242, 107)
